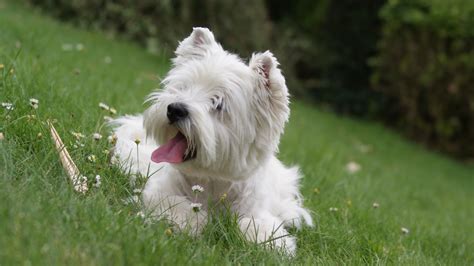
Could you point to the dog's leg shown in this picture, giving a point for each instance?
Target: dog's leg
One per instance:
(268, 230)
(178, 211)
(163, 200)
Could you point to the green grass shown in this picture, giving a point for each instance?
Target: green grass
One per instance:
(43, 221)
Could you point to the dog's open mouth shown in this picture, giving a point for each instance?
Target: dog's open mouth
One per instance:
(173, 151)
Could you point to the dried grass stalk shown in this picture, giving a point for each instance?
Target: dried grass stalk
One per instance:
(79, 182)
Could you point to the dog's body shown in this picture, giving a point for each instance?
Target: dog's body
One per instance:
(218, 122)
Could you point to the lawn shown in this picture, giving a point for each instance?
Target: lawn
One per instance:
(70, 71)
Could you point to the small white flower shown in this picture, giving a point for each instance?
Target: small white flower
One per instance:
(98, 181)
(141, 214)
(197, 189)
(67, 47)
(196, 207)
(137, 191)
(106, 152)
(8, 106)
(96, 136)
(405, 231)
(104, 106)
(353, 167)
(112, 111)
(108, 60)
(112, 139)
(34, 101)
(77, 135)
(333, 209)
(375, 205)
(108, 118)
(2, 137)
(91, 158)
(79, 46)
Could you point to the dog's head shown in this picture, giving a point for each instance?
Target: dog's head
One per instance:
(216, 116)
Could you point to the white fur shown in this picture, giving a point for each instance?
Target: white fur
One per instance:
(235, 147)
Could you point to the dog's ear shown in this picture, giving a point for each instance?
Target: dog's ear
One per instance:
(197, 44)
(270, 81)
(271, 91)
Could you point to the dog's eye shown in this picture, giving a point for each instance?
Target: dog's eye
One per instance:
(217, 103)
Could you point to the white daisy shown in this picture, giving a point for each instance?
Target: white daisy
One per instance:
(34, 103)
(77, 135)
(196, 207)
(66, 47)
(353, 167)
(96, 136)
(104, 106)
(98, 181)
(91, 158)
(8, 106)
(112, 139)
(197, 189)
(108, 60)
(79, 47)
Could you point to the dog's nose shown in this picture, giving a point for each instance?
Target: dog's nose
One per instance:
(176, 112)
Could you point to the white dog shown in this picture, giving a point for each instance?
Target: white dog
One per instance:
(218, 122)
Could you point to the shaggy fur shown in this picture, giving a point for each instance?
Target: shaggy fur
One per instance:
(237, 113)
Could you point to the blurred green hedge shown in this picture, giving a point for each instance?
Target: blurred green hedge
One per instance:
(334, 41)
(159, 25)
(323, 45)
(409, 62)
(425, 66)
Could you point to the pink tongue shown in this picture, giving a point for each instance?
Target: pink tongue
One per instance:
(172, 151)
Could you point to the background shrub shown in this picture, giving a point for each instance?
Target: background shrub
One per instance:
(163, 23)
(334, 40)
(425, 66)
(421, 51)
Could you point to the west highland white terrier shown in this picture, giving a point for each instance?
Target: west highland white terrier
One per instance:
(217, 122)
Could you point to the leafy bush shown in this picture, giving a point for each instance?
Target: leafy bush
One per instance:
(323, 45)
(425, 66)
(336, 39)
(163, 23)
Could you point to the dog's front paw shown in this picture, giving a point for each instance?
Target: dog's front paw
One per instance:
(269, 233)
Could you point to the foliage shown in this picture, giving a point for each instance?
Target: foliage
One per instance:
(339, 37)
(155, 23)
(424, 65)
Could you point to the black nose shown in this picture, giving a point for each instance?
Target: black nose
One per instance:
(176, 112)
